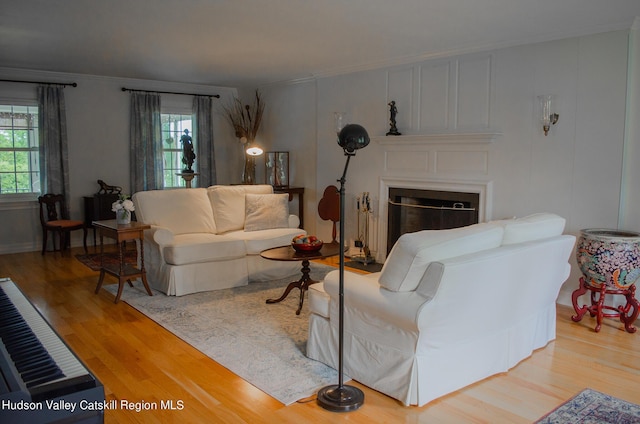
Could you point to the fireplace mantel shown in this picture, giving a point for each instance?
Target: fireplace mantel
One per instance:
(447, 138)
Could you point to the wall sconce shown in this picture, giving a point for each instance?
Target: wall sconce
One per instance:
(340, 120)
(547, 116)
(254, 149)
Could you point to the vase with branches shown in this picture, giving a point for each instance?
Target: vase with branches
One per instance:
(245, 120)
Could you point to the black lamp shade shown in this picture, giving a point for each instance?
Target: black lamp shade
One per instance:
(353, 137)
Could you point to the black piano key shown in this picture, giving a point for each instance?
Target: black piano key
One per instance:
(45, 379)
(40, 372)
(13, 328)
(22, 339)
(39, 365)
(25, 362)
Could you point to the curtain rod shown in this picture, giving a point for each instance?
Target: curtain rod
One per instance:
(217, 96)
(64, 84)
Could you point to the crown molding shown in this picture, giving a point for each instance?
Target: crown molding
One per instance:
(473, 48)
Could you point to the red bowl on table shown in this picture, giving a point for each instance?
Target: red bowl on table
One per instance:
(305, 243)
(307, 247)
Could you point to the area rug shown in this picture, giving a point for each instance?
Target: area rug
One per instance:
(591, 407)
(263, 344)
(92, 260)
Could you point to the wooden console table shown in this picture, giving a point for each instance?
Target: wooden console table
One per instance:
(122, 271)
(291, 191)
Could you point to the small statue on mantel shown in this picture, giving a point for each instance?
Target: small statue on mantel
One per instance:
(393, 110)
(188, 155)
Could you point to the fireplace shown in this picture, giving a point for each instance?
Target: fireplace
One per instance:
(411, 210)
(472, 194)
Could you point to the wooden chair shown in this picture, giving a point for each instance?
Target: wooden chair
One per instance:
(54, 217)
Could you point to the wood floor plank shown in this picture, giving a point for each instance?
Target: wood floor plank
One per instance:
(139, 361)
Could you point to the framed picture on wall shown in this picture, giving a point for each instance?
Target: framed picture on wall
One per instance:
(276, 165)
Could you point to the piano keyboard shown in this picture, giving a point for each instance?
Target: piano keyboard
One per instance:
(36, 350)
(38, 368)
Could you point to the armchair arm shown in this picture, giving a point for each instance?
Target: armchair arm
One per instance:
(155, 239)
(160, 235)
(364, 294)
(294, 221)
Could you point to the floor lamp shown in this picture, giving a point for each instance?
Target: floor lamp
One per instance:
(341, 398)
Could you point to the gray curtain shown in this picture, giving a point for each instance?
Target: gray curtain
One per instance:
(203, 131)
(54, 157)
(145, 142)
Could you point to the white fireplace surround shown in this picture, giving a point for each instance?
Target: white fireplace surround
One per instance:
(483, 188)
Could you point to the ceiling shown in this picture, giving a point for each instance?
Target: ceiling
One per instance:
(255, 42)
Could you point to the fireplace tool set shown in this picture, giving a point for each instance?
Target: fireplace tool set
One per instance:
(362, 242)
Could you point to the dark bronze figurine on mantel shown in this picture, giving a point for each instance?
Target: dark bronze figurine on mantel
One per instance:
(393, 110)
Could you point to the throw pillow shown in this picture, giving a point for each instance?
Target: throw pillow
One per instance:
(413, 252)
(228, 204)
(532, 227)
(181, 211)
(266, 211)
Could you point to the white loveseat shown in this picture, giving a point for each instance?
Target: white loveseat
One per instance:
(205, 239)
(449, 307)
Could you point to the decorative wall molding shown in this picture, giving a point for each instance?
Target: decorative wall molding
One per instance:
(444, 96)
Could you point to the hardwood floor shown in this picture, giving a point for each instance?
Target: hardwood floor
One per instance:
(139, 361)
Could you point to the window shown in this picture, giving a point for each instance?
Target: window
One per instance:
(19, 155)
(173, 126)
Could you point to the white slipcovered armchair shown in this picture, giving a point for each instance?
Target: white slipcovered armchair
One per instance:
(449, 308)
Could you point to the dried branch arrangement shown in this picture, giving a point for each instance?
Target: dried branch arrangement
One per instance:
(245, 119)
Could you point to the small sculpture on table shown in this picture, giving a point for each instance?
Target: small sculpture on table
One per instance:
(393, 110)
(108, 189)
(188, 154)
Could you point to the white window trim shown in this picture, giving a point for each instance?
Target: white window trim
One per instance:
(19, 200)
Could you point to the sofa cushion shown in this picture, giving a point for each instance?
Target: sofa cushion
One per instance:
(532, 227)
(266, 211)
(413, 252)
(257, 241)
(194, 248)
(182, 211)
(228, 204)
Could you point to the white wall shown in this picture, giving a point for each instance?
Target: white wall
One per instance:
(575, 171)
(98, 142)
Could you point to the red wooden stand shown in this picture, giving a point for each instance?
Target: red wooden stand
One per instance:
(627, 313)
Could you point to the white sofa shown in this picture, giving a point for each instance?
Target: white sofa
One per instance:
(204, 239)
(449, 307)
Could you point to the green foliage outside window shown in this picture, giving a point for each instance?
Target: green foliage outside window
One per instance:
(19, 157)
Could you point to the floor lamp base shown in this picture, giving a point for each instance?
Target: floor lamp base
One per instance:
(337, 398)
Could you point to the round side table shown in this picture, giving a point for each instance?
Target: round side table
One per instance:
(288, 253)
